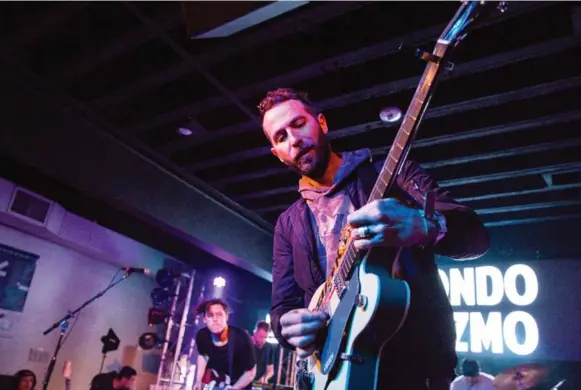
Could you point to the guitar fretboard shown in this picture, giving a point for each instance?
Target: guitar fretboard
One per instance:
(395, 158)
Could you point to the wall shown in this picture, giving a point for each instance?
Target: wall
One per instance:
(65, 278)
(42, 130)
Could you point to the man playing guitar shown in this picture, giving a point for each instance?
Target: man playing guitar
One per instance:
(334, 188)
(225, 352)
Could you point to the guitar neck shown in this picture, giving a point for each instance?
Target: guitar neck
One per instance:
(397, 154)
(406, 134)
(67, 384)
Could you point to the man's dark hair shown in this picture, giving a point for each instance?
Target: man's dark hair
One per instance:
(281, 95)
(262, 325)
(470, 367)
(205, 306)
(126, 372)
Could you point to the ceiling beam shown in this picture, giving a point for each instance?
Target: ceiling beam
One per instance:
(472, 67)
(236, 46)
(164, 36)
(529, 207)
(542, 190)
(522, 221)
(548, 120)
(92, 59)
(568, 143)
(576, 19)
(468, 105)
(317, 69)
(32, 31)
(249, 19)
(552, 169)
(310, 71)
(477, 198)
(505, 153)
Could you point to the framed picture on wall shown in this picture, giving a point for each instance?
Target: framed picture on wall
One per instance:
(16, 272)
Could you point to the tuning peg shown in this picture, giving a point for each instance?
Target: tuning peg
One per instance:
(422, 54)
(426, 56)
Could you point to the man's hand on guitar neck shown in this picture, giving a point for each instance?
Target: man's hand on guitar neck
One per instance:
(388, 222)
(300, 327)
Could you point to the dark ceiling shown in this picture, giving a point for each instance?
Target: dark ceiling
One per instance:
(502, 131)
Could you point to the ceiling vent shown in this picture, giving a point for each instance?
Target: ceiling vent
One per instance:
(29, 206)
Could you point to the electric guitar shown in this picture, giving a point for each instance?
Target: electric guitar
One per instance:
(366, 305)
(212, 380)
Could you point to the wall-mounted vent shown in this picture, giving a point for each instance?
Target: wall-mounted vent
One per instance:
(29, 206)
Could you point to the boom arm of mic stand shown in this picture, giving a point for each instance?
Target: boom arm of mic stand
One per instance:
(63, 324)
(71, 314)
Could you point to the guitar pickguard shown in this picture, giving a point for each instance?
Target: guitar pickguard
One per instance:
(338, 324)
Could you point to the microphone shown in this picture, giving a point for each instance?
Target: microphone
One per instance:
(131, 270)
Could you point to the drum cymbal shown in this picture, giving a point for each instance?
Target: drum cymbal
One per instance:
(521, 377)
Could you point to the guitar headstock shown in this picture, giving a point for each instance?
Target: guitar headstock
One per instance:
(465, 17)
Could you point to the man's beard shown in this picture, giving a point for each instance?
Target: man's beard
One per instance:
(316, 169)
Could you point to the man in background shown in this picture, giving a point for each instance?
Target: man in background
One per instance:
(125, 378)
(263, 353)
(225, 352)
(103, 381)
(25, 380)
(472, 378)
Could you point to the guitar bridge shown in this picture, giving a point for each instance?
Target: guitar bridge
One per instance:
(352, 358)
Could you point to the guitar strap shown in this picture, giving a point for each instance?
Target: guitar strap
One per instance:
(368, 175)
(231, 345)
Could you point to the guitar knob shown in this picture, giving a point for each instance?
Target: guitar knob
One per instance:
(361, 301)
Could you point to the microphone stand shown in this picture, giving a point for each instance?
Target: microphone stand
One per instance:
(63, 324)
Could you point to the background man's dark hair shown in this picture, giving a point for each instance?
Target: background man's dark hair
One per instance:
(103, 381)
(204, 306)
(126, 372)
(281, 95)
(24, 374)
(470, 367)
(262, 325)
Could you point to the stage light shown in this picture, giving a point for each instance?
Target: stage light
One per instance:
(110, 342)
(219, 282)
(390, 115)
(160, 297)
(148, 341)
(184, 131)
(165, 278)
(156, 316)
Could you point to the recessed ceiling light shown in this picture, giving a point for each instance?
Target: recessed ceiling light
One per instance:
(184, 131)
(390, 114)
